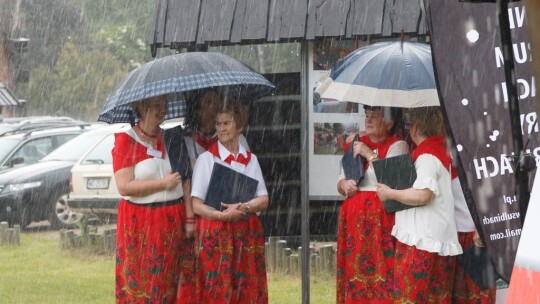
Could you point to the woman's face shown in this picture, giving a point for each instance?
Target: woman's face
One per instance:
(226, 128)
(208, 107)
(376, 126)
(153, 111)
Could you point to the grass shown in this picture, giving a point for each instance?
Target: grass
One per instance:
(287, 289)
(38, 271)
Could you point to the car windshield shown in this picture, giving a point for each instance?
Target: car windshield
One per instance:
(75, 148)
(7, 145)
(101, 154)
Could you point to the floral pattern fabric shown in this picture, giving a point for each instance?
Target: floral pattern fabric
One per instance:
(148, 248)
(422, 276)
(186, 288)
(365, 250)
(230, 262)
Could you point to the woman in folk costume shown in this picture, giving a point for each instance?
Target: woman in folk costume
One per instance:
(427, 240)
(200, 132)
(154, 213)
(229, 244)
(199, 135)
(365, 246)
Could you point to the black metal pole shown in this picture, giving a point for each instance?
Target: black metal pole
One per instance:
(304, 177)
(521, 176)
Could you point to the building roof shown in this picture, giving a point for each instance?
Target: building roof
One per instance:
(184, 23)
(6, 97)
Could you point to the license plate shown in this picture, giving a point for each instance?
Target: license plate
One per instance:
(97, 183)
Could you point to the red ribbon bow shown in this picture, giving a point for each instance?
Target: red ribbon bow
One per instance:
(240, 159)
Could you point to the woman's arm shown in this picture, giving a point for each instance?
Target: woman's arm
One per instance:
(128, 186)
(411, 196)
(190, 222)
(257, 204)
(232, 213)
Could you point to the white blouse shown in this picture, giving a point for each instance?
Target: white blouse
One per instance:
(369, 182)
(205, 164)
(464, 220)
(154, 168)
(430, 227)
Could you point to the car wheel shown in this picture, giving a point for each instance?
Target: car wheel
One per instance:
(63, 216)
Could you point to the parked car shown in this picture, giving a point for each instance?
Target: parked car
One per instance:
(39, 191)
(25, 148)
(24, 124)
(92, 185)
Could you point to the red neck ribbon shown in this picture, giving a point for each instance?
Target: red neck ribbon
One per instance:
(434, 145)
(204, 141)
(214, 149)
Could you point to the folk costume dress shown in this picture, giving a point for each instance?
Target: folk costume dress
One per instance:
(427, 241)
(464, 290)
(149, 228)
(365, 248)
(196, 144)
(229, 255)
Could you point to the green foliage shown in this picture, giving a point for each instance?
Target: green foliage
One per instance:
(77, 86)
(121, 27)
(79, 50)
(48, 25)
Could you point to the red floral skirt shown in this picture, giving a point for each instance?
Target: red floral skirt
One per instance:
(422, 276)
(148, 247)
(365, 251)
(465, 290)
(186, 288)
(230, 265)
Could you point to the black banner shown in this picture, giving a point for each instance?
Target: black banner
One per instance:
(469, 69)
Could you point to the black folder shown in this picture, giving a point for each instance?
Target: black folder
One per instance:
(229, 186)
(177, 151)
(353, 167)
(478, 266)
(397, 172)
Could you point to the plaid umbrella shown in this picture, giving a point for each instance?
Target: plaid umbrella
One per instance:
(173, 75)
(392, 74)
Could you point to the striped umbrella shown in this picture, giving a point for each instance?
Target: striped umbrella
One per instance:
(391, 74)
(176, 74)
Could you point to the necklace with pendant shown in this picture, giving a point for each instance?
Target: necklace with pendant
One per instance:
(146, 134)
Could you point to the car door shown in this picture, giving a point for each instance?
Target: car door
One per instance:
(30, 151)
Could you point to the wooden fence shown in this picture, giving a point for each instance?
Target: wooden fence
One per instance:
(282, 259)
(89, 237)
(9, 236)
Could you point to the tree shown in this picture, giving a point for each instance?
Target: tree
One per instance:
(77, 86)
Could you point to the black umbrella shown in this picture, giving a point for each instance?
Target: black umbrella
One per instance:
(179, 73)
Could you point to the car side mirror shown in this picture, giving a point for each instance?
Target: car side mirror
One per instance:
(16, 161)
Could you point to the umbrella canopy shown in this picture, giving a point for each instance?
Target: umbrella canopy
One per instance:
(179, 73)
(391, 74)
